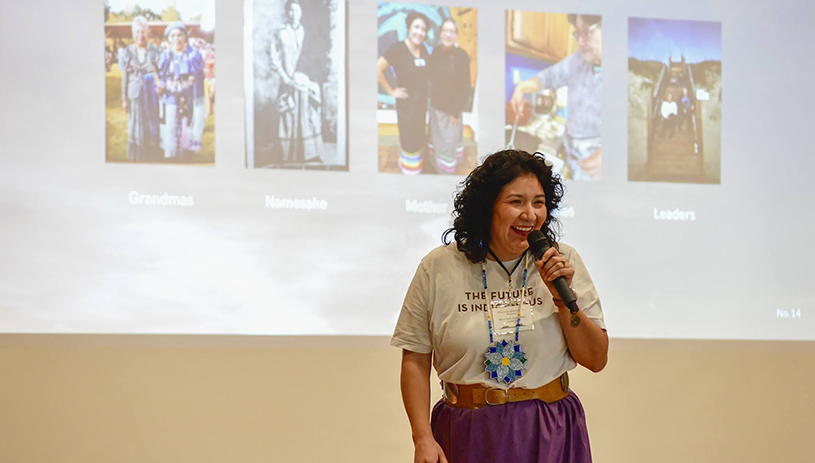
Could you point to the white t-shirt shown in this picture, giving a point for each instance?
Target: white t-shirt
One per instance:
(444, 313)
(668, 108)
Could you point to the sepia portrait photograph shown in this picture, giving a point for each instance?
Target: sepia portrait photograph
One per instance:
(295, 73)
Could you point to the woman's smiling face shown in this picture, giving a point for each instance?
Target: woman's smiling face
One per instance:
(519, 209)
(140, 34)
(177, 39)
(448, 34)
(417, 31)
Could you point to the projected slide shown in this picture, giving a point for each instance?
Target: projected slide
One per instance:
(554, 86)
(306, 221)
(160, 81)
(295, 84)
(427, 73)
(674, 100)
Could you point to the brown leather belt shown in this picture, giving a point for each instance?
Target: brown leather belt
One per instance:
(477, 396)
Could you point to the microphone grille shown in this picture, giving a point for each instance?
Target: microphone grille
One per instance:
(537, 242)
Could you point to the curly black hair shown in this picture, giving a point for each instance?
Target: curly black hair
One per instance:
(475, 199)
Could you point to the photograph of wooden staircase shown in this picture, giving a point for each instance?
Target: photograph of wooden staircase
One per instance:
(677, 153)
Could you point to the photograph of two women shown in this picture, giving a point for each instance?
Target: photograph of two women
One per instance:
(427, 72)
(160, 81)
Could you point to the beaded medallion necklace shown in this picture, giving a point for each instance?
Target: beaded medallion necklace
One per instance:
(505, 361)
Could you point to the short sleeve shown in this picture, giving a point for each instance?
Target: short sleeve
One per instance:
(413, 328)
(587, 298)
(392, 56)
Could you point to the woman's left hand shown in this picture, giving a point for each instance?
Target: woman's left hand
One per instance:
(553, 265)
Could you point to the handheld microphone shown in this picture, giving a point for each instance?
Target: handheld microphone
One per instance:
(538, 244)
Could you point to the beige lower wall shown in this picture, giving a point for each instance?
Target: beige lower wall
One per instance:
(200, 399)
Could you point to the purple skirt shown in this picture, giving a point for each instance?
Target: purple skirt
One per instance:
(525, 432)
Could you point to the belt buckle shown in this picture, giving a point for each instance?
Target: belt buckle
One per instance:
(487, 396)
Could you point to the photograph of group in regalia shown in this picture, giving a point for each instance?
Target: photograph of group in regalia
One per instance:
(674, 100)
(427, 112)
(295, 81)
(160, 81)
(554, 89)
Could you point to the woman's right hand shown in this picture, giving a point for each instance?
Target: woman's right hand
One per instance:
(399, 93)
(124, 104)
(427, 450)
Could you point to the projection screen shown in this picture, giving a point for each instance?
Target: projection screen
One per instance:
(217, 168)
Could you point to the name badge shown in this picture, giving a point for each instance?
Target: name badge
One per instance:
(505, 315)
(419, 62)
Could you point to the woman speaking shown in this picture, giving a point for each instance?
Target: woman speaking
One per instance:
(486, 315)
